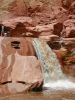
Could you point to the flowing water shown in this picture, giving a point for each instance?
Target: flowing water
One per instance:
(59, 87)
(51, 66)
(2, 31)
(53, 76)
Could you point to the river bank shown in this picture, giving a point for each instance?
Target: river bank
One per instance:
(45, 95)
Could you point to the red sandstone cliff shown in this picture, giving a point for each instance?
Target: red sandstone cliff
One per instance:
(46, 16)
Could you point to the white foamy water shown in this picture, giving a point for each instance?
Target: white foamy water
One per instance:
(60, 84)
(51, 66)
(54, 78)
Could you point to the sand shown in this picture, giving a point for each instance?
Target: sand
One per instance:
(45, 95)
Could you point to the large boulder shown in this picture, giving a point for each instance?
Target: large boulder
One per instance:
(20, 70)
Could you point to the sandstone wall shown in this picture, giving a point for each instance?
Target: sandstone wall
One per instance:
(20, 6)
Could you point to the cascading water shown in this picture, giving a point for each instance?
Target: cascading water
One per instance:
(52, 68)
(53, 75)
(2, 31)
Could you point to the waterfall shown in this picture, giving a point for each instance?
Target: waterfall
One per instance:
(54, 78)
(2, 31)
(51, 66)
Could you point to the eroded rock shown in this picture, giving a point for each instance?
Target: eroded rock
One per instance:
(72, 8)
(20, 70)
(69, 28)
(67, 3)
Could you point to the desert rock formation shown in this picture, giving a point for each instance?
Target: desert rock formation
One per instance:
(20, 70)
(50, 20)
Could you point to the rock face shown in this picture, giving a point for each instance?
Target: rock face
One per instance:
(20, 70)
(22, 5)
(69, 28)
(40, 17)
(67, 3)
(67, 59)
(18, 8)
(72, 8)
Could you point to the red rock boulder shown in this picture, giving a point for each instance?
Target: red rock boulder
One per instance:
(20, 70)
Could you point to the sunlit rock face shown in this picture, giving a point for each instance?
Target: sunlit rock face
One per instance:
(45, 19)
(38, 17)
(20, 70)
(18, 7)
(23, 7)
